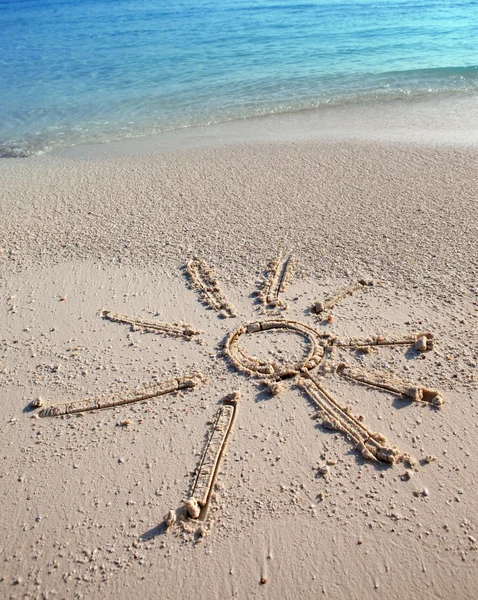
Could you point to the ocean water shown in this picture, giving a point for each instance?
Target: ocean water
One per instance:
(80, 71)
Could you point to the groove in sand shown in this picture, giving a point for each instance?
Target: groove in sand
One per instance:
(212, 455)
(372, 445)
(173, 329)
(203, 278)
(111, 400)
(251, 365)
(421, 341)
(339, 295)
(384, 381)
(279, 274)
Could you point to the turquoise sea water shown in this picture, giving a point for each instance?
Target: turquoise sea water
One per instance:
(78, 71)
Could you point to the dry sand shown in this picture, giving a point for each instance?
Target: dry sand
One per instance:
(84, 497)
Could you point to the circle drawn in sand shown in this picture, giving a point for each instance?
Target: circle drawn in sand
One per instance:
(251, 365)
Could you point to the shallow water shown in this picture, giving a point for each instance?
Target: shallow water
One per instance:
(79, 71)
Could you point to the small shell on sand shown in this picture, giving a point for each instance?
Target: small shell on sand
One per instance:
(421, 344)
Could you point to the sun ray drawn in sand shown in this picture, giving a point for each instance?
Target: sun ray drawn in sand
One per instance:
(308, 374)
(154, 390)
(172, 329)
(203, 279)
(279, 274)
(208, 467)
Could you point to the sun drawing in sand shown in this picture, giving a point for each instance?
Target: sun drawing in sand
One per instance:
(307, 373)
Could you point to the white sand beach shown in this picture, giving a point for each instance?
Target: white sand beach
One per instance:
(296, 511)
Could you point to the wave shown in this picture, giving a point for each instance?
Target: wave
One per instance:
(464, 71)
(148, 115)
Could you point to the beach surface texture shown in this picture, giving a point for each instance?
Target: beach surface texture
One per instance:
(129, 465)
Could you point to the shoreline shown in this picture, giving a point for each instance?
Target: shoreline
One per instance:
(443, 119)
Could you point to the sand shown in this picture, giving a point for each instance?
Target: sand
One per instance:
(296, 511)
